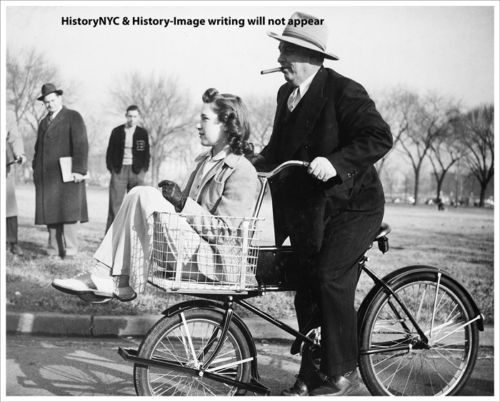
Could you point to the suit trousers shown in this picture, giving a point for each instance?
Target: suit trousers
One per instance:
(63, 239)
(11, 229)
(326, 292)
(121, 183)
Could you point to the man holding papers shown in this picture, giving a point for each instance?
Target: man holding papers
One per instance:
(59, 204)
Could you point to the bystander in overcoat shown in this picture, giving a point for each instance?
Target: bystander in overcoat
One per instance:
(56, 201)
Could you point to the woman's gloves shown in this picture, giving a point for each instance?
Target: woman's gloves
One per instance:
(173, 194)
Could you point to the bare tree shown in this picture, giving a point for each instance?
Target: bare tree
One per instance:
(397, 109)
(165, 110)
(446, 149)
(426, 119)
(261, 114)
(26, 73)
(478, 139)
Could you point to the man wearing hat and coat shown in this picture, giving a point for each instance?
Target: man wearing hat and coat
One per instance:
(333, 209)
(60, 205)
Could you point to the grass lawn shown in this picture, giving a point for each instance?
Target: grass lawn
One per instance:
(460, 241)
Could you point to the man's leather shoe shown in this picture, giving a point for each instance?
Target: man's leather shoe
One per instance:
(15, 249)
(298, 389)
(336, 386)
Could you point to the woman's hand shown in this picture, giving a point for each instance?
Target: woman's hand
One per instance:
(173, 194)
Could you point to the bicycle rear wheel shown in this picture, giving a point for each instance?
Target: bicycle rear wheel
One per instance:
(189, 339)
(445, 315)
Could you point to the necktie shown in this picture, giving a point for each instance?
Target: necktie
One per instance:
(293, 99)
(51, 116)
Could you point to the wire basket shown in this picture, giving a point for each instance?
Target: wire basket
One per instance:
(203, 253)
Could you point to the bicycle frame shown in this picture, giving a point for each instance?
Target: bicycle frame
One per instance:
(214, 346)
(224, 304)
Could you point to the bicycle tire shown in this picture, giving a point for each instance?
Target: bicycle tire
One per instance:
(167, 340)
(445, 367)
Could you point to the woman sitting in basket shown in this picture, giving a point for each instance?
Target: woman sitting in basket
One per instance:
(223, 186)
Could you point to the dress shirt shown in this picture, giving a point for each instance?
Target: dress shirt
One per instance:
(52, 115)
(127, 150)
(299, 92)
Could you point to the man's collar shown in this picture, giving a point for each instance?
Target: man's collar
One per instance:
(57, 111)
(304, 86)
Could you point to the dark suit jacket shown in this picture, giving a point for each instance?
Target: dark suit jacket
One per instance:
(56, 201)
(335, 119)
(140, 150)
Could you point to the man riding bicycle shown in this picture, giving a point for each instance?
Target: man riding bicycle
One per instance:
(332, 211)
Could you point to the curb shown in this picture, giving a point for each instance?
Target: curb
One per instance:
(56, 324)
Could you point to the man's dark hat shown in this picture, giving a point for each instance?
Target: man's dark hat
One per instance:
(48, 89)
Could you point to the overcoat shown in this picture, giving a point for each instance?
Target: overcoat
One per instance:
(335, 119)
(14, 148)
(56, 201)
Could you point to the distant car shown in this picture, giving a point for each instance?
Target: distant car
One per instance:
(488, 202)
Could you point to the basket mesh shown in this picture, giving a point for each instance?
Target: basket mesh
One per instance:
(203, 254)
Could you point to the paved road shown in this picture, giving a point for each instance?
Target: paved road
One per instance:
(49, 366)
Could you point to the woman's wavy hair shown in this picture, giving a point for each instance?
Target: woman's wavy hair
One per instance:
(231, 111)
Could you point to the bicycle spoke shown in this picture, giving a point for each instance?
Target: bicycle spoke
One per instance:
(435, 304)
(190, 341)
(446, 359)
(212, 369)
(395, 372)
(421, 304)
(389, 330)
(407, 380)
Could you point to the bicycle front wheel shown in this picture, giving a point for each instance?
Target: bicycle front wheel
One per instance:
(394, 361)
(188, 339)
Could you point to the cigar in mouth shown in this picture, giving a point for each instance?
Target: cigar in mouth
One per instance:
(272, 70)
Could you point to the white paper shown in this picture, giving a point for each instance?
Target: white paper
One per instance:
(66, 163)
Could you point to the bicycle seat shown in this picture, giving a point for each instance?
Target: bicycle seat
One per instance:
(384, 230)
(381, 239)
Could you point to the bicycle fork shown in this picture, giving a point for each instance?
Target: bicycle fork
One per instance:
(211, 350)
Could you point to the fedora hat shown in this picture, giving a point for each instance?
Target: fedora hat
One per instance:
(306, 31)
(48, 89)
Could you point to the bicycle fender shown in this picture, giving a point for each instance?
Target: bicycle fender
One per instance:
(218, 307)
(392, 277)
(192, 304)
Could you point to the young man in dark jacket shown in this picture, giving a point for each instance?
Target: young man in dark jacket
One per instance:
(127, 159)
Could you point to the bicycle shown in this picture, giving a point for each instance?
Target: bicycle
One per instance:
(418, 327)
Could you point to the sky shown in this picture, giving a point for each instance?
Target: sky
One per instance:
(447, 48)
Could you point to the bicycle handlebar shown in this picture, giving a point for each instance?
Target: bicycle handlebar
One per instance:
(281, 167)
